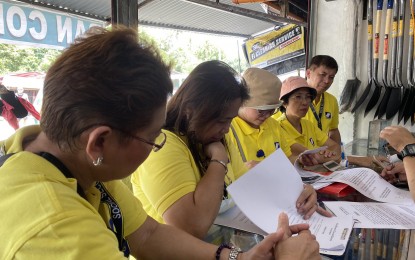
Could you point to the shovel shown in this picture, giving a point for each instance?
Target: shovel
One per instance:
(369, 87)
(394, 101)
(381, 109)
(408, 107)
(352, 85)
(376, 93)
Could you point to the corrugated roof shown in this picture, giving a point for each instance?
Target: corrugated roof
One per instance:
(205, 16)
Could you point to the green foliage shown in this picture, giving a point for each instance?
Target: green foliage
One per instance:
(16, 58)
(175, 47)
(185, 54)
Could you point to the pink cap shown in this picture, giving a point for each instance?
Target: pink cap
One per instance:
(294, 83)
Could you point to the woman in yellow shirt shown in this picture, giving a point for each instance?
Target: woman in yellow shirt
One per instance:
(296, 96)
(254, 131)
(184, 184)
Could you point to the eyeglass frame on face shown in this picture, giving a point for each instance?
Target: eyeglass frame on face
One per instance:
(300, 98)
(156, 147)
(263, 112)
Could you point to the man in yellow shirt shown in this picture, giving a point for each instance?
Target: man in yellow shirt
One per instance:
(324, 110)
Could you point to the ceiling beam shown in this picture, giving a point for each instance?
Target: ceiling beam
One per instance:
(188, 28)
(64, 9)
(246, 12)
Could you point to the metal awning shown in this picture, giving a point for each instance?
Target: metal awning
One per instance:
(207, 16)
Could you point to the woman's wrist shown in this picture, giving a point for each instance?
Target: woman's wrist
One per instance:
(223, 163)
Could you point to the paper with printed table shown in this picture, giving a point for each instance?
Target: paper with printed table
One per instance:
(272, 187)
(364, 180)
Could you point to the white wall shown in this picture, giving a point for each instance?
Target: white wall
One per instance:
(333, 36)
(333, 31)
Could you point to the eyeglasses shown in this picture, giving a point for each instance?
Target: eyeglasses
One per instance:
(157, 144)
(266, 112)
(299, 98)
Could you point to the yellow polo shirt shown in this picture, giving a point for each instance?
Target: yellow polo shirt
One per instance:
(311, 137)
(330, 115)
(256, 144)
(170, 173)
(45, 218)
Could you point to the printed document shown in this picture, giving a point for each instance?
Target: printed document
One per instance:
(272, 187)
(365, 180)
(375, 215)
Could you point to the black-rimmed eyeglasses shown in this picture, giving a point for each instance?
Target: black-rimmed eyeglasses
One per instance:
(157, 144)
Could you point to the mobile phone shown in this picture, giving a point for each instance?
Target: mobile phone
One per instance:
(331, 165)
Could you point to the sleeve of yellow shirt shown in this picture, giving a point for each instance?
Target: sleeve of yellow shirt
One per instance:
(166, 175)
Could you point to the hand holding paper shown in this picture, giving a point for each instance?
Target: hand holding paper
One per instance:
(272, 187)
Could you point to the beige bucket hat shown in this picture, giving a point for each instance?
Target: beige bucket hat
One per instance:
(264, 89)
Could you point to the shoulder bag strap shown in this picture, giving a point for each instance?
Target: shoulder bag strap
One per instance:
(239, 144)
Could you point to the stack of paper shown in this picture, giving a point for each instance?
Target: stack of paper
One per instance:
(272, 187)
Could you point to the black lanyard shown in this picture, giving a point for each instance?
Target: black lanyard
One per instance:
(320, 114)
(116, 219)
(116, 222)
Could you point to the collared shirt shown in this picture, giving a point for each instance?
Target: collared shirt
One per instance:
(257, 144)
(311, 137)
(43, 209)
(171, 173)
(330, 113)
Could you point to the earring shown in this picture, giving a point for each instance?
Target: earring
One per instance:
(98, 162)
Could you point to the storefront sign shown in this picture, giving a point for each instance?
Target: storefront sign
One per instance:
(31, 25)
(276, 46)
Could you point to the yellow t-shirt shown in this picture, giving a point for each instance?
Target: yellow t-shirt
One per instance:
(170, 173)
(266, 139)
(330, 114)
(311, 137)
(45, 218)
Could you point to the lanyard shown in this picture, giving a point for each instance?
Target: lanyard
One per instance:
(116, 219)
(320, 114)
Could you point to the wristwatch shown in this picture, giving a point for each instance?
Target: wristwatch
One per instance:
(234, 253)
(408, 150)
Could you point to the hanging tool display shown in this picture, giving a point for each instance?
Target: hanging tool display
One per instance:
(407, 103)
(381, 109)
(352, 85)
(370, 85)
(395, 97)
(377, 90)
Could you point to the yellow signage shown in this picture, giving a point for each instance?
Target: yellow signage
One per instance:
(276, 46)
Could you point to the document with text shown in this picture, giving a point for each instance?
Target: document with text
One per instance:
(375, 215)
(364, 180)
(272, 187)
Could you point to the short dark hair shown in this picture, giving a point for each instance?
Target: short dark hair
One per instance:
(323, 60)
(105, 78)
(206, 93)
(286, 97)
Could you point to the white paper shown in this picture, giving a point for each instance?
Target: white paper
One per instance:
(272, 187)
(364, 180)
(375, 215)
(235, 218)
(371, 184)
(308, 176)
